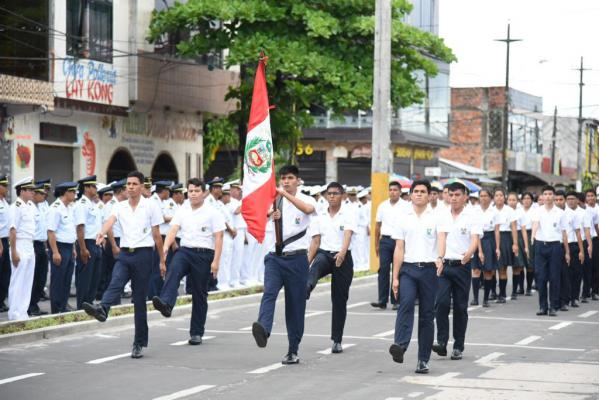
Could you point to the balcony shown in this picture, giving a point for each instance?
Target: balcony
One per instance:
(15, 90)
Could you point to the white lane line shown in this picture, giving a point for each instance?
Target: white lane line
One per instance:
(588, 314)
(386, 333)
(106, 359)
(473, 308)
(184, 342)
(362, 303)
(328, 351)
(101, 335)
(266, 369)
(315, 313)
(20, 377)
(560, 325)
(489, 357)
(413, 395)
(246, 328)
(185, 393)
(527, 340)
(394, 398)
(445, 377)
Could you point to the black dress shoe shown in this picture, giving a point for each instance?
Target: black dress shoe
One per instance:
(552, 313)
(595, 297)
(161, 306)
(422, 367)
(337, 348)
(514, 296)
(501, 300)
(584, 300)
(542, 312)
(520, 291)
(564, 308)
(3, 307)
(486, 304)
(493, 296)
(456, 354)
(260, 334)
(136, 352)
(195, 340)
(440, 349)
(96, 311)
(574, 304)
(528, 293)
(290, 358)
(394, 307)
(474, 302)
(397, 351)
(382, 306)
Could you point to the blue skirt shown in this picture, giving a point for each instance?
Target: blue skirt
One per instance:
(488, 246)
(506, 258)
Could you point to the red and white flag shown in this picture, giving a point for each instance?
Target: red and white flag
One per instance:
(259, 185)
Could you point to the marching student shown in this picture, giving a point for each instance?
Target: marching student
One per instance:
(488, 248)
(458, 242)
(578, 228)
(519, 262)
(591, 276)
(550, 238)
(201, 227)
(417, 261)
(528, 211)
(330, 253)
(508, 246)
(40, 249)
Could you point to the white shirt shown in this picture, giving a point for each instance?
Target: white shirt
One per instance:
(137, 224)
(21, 216)
(295, 221)
(332, 229)
(321, 205)
(197, 227)
(586, 221)
(459, 232)
(117, 231)
(526, 217)
(168, 208)
(4, 218)
(419, 235)
(41, 223)
(89, 214)
(386, 214)
(61, 222)
(488, 218)
(552, 223)
(238, 221)
(364, 215)
(574, 223)
(594, 216)
(505, 217)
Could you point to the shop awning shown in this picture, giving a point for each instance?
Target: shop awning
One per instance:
(542, 177)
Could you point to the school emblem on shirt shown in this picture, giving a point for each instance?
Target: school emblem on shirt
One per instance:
(341, 228)
(204, 228)
(555, 224)
(145, 230)
(298, 220)
(463, 231)
(429, 231)
(258, 155)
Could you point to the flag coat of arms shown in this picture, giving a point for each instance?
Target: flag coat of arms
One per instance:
(259, 185)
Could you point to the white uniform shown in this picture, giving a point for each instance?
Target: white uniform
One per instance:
(294, 222)
(197, 227)
(459, 232)
(361, 238)
(574, 224)
(239, 274)
(117, 231)
(224, 269)
(137, 223)
(4, 207)
(419, 235)
(551, 224)
(332, 229)
(22, 218)
(62, 223)
(387, 215)
(593, 213)
(90, 215)
(168, 208)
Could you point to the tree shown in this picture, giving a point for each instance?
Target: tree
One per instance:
(320, 54)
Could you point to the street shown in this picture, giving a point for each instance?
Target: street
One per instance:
(510, 353)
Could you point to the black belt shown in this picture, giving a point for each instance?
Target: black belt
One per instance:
(422, 264)
(39, 241)
(455, 263)
(290, 253)
(134, 249)
(386, 237)
(596, 238)
(332, 252)
(198, 249)
(547, 243)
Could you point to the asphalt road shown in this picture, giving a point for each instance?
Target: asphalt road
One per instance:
(510, 354)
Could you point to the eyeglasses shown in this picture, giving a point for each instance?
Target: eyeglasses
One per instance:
(333, 193)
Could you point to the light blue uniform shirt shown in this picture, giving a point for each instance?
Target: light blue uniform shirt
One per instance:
(3, 218)
(89, 214)
(41, 223)
(60, 221)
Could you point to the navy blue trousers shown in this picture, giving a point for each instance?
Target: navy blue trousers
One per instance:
(570, 276)
(587, 270)
(290, 273)
(196, 265)
(386, 250)
(4, 270)
(87, 276)
(595, 266)
(416, 283)
(60, 278)
(136, 267)
(549, 258)
(40, 274)
(454, 283)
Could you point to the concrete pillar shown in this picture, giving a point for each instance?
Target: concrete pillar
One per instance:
(331, 165)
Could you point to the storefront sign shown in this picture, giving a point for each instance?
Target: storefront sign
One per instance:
(142, 149)
(362, 152)
(417, 153)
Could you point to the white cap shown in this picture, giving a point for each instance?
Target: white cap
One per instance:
(227, 186)
(405, 190)
(314, 190)
(474, 194)
(25, 182)
(363, 193)
(153, 188)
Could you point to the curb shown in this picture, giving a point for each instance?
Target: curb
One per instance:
(56, 331)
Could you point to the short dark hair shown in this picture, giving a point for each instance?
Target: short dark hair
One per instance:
(455, 186)
(548, 188)
(196, 182)
(394, 183)
(289, 169)
(336, 185)
(138, 175)
(589, 191)
(572, 193)
(561, 193)
(421, 182)
(528, 194)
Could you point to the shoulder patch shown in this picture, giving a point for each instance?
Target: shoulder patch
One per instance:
(82, 200)
(112, 201)
(55, 205)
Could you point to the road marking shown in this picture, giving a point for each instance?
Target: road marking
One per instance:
(20, 377)
(246, 328)
(266, 369)
(362, 303)
(315, 313)
(394, 398)
(383, 334)
(184, 342)
(588, 314)
(328, 351)
(445, 377)
(185, 393)
(415, 394)
(489, 357)
(560, 325)
(473, 308)
(527, 340)
(106, 359)
(101, 335)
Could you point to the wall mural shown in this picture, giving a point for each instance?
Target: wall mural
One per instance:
(88, 151)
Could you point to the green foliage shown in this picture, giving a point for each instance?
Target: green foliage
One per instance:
(220, 131)
(320, 55)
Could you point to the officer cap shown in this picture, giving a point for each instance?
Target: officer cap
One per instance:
(47, 183)
(162, 184)
(39, 188)
(88, 180)
(363, 193)
(352, 190)
(25, 183)
(119, 184)
(148, 182)
(103, 189)
(216, 181)
(178, 187)
(4, 180)
(67, 186)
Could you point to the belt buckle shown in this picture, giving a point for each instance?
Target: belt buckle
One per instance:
(131, 250)
(420, 265)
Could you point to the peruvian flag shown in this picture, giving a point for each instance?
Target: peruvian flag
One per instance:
(259, 185)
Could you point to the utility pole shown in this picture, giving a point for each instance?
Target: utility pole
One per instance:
(579, 159)
(553, 140)
(381, 122)
(506, 107)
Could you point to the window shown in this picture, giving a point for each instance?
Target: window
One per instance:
(89, 29)
(495, 129)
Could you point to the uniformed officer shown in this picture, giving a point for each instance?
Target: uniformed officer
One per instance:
(459, 234)
(88, 218)
(386, 217)
(417, 261)
(330, 253)
(139, 218)
(147, 188)
(62, 234)
(239, 274)
(4, 247)
(550, 238)
(508, 247)
(44, 206)
(40, 249)
(21, 225)
(201, 227)
(287, 264)
(361, 238)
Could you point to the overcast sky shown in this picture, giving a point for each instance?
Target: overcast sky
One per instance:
(555, 33)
